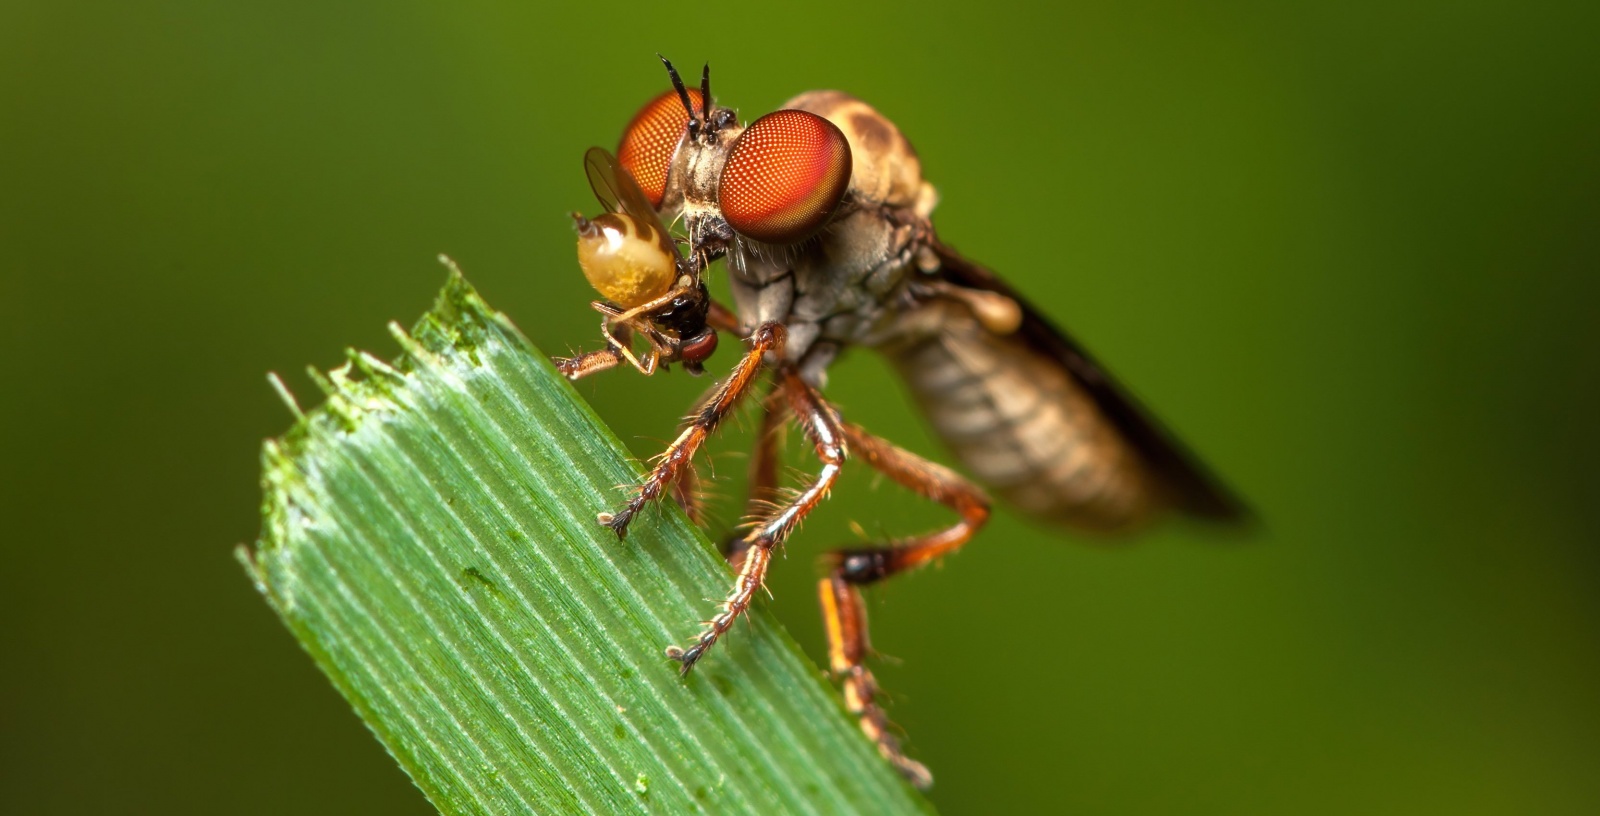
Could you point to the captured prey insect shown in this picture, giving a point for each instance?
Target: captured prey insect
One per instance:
(822, 213)
(631, 260)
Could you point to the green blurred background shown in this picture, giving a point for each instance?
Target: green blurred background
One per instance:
(1350, 253)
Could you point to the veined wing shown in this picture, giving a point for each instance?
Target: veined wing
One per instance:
(617, 190)
(1196, 490)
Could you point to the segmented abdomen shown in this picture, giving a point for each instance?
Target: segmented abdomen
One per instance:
(1020, 424)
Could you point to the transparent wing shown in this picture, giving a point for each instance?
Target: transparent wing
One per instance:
(616, 189)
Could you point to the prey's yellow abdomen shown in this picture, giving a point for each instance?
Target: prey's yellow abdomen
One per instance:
(627, 262)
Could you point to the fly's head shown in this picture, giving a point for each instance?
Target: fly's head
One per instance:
(776, 181)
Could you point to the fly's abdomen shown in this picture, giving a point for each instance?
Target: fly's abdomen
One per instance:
(1021, 425)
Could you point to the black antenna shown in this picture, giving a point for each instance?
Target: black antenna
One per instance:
(705, 94)
(683, 93)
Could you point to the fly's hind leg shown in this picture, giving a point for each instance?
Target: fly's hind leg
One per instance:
(844, 615)
(866, 565)
(822, 427)
(843, 610)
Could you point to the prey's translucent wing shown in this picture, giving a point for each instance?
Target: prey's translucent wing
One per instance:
(616, 189)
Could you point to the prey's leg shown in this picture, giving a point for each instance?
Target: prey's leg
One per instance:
(676, 458)
(843, 611)
(824, 430)
(618, 332)
(591, 362)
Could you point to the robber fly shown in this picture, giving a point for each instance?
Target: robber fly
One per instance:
(822, 214)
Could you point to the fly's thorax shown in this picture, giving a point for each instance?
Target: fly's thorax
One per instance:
(836, 287)
(626, 260)
(840, 285)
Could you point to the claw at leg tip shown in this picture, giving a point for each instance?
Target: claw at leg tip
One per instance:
(687, 658)
(617, 523)
(915, 772)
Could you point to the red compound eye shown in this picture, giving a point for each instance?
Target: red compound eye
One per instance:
(650, 140)
(784, 177)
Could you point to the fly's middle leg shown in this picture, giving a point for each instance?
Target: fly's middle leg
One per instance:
(822, 427)
(763, 493)
(843, 610)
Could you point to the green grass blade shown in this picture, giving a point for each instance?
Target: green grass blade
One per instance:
(430, 538)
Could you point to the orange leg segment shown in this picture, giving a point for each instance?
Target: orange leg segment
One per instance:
(866, 565)
(762, 493)
(844, 615)
(676, 458)
(824, 430)
(844, 612)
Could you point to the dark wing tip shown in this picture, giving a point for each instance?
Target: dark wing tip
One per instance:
(1214, 505)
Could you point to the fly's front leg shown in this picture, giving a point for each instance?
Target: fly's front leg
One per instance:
(767, 338)
(843, 610)
(827, 435)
